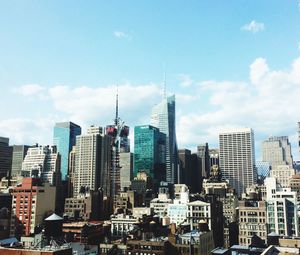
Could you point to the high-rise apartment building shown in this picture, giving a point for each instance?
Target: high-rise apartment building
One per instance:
(19, 153)
(42, 162)
(64, 137)
(92, 162)
(30, 203)
(237, 158)
(149, 152)
(277, 151)
(5, 157)
(163, 117)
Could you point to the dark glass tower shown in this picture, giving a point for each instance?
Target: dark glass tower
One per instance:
(64, 137)
(149, 152)
(163, 117)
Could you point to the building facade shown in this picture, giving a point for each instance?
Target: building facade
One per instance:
(277, 151)
(42, 162)
(252, 221)
(237, 158)
(149, 152)
(203, 154)
(163, 117)
(64, 137)
(92, 162)
(19, 153)
(5, 157)
(283, 174)
(126, 171)
(282, 209)
(30, 203)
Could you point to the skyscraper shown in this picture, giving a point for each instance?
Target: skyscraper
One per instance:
(5, 157)
(163, 117)
(92, 161)
(237, 158)
(190, 170)
(19, 153)
(203, 154)
(64, 137)
(277, 151)
(149, 152)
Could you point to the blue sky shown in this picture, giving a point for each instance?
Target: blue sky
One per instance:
(59, 56)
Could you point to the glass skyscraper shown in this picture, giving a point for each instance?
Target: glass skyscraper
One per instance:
(163, 117)
(149, 152)
(64, 137)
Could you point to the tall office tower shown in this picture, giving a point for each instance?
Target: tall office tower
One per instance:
(19, 153)
(203, 154)
(190, 170)
(64, 137)
(214, 157)
(237, 158)
(126, 173)
(92, 162)
(149, 152)
(30, 203)
(42, 162)
(163, 117)
(5, 157)
(277, 151)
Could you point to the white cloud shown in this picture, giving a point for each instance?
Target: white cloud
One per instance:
(185, 80)
(253, 27)
(28, 131)
(29, 90)
(269, 104)
(122, 35)
(258, 69)
(86, 104)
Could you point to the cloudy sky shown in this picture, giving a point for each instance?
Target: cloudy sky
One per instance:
(230, 64)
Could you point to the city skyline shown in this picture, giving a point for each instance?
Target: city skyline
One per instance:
(62, 62)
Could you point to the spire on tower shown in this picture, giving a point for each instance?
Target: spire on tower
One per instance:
(165, 83)
(117, 107)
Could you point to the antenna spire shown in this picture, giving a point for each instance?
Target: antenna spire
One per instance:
(165, 83)
(117, 106)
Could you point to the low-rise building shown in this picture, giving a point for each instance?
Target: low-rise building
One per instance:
(121, 224)
(198, 210)
(252, 221)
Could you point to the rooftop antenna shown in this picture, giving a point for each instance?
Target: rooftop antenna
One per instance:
(117, 106)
